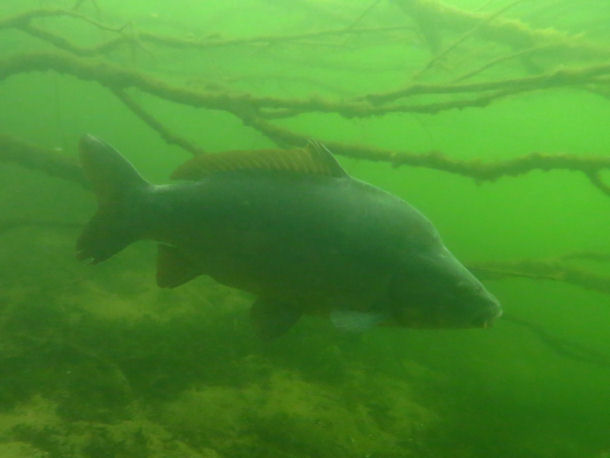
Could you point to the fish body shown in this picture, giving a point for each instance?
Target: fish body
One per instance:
(294, 230)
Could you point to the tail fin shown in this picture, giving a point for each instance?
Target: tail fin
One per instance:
(116, 184)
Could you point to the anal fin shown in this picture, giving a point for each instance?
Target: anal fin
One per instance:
(174, 268)
(272, 318)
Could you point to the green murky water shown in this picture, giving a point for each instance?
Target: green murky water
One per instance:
(97, 361)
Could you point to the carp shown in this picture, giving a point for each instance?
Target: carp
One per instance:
(290, 227)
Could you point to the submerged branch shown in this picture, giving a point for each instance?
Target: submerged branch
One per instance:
(509, 31)
(561, 77)
(512, 32)
(550, 269)
(476, 169)
(560, 270)
(498, 60)
(23, 21)
(169, 137)
(591, 166)
(117, 77)
(444, 52)
(559, 345)
(38, 158)
(186, 43)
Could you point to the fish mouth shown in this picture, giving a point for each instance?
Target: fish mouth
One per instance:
(486, 318)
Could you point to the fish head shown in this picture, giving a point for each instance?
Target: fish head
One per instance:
(435, 290)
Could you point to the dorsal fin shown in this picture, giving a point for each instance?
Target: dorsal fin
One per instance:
(315, 159)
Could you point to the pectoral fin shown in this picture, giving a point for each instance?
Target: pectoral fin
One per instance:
(174, 268)
(272, 318)
(353, 321)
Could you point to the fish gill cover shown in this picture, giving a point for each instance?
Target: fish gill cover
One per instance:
(489, 117)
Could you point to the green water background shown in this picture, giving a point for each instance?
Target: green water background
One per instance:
(498, 392)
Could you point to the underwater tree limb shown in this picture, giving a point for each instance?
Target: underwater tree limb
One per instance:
(20, 19)
(359, 110)
(23, 21)
(512, 32)
(67, 45)
(169, 137)
(561, 346)
(549, 269)
(78, 4)
(111, 44)
(245, 107)
(38, 158)
(176, 42)
(596, 179)
(248, 108)
(509, 31)
(118, 77)
(500, 59)
(476, 169)
(442, 53)
(556, 269)
(556, 78)
(129, 37)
